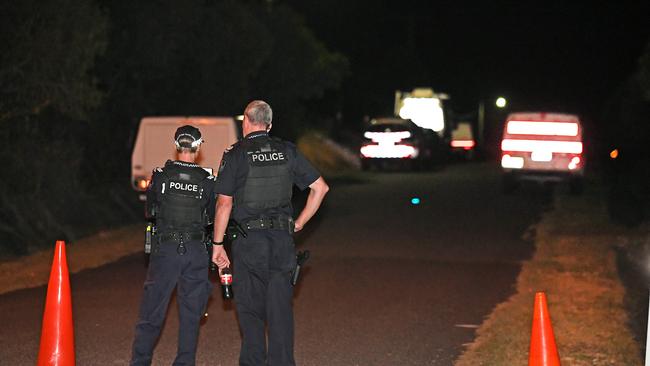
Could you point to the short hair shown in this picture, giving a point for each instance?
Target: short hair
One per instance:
(184, 142)
(259, 113)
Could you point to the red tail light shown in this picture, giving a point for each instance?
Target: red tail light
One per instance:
(465, 144)
(142, 183)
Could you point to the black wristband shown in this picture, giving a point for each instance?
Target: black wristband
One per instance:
(215, 243)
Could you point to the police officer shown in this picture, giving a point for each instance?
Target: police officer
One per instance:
(181, 198)
(255, 182)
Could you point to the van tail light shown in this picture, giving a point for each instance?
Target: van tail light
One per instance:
(512, 162)
(574, 163)
(142, 183)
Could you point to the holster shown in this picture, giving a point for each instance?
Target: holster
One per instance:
(234, 230)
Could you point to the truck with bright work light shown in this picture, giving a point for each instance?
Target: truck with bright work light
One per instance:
(542, 147)
(154, 144)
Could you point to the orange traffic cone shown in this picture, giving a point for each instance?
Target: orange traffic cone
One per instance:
(543, 351)
(57, 338)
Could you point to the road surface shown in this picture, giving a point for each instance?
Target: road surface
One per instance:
(389, 283)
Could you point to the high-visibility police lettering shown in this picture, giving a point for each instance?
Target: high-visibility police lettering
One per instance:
(270, 156)
(184, 186)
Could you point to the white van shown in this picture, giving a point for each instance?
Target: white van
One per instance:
(154, 144)
(542, 147)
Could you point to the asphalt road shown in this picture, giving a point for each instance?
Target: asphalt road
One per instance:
(389, 283)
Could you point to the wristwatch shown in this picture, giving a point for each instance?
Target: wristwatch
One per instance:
(215, 243)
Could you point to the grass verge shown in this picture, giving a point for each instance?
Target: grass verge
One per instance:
(575, 264)
(327, 156)
(94, 251)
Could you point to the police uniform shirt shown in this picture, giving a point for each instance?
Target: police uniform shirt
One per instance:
(155, 187)
(234, 170)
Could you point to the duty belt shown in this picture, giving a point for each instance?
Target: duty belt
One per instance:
(179, 237)
(281, 223)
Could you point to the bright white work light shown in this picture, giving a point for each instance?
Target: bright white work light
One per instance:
(424, 112)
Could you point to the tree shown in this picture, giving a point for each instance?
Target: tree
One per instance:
(211, 58)
(298, 69)
(49, 50)
(644, 72)
(50, 47)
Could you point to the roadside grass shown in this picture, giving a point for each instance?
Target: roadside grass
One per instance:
(91, 252)
(575, 264)
(328, 157)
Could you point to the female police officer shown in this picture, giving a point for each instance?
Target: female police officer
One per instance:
(181, 198)
(255, 182)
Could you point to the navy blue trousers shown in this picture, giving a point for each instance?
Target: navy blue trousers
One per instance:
(262, 266)
(187, 273)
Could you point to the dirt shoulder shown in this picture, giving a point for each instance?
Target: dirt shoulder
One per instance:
(94, 251)
(575, 264)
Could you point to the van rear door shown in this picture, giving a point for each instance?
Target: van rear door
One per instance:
(154, 144)
(550, 142)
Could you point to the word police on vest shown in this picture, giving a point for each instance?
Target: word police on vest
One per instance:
(184, 186)
(269, 156)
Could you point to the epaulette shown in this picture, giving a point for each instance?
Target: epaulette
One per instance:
(231, 147)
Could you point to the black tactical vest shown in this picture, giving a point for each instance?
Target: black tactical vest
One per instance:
(268, 184)
(181, 199)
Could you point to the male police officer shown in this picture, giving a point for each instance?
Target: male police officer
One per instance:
(181, 198)
(255, 181)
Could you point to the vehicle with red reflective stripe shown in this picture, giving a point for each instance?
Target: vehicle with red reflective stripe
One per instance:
(544, 147)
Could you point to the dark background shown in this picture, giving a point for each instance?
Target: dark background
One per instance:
(77, 76)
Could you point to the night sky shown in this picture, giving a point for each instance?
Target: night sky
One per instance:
(554, 55)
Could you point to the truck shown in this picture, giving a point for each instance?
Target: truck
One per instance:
(154, 145)
(426, 109)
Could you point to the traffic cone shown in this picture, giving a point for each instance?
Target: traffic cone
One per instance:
(57, 335)
(543, 351)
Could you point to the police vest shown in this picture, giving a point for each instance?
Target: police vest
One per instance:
(269, 183)
(182, 202)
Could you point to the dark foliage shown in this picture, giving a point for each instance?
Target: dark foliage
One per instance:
(77, 76)
(628, 130)
(49, 48)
